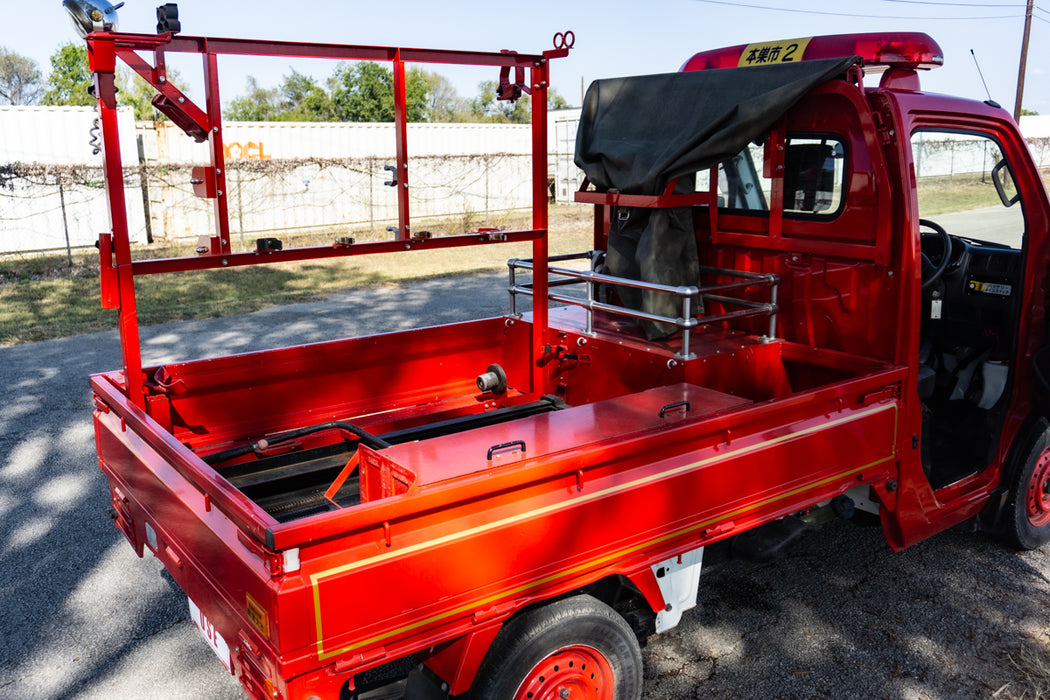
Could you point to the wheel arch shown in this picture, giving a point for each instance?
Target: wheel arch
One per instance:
(635, 597)
(993, 517)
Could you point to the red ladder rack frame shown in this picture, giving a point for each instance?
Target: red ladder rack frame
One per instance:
(118, 269)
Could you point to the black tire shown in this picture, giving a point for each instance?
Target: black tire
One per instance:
(1028, 506)
(577, 643)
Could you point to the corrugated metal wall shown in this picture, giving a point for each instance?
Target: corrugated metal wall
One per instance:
(58, 135)
(294, 140)
(562, 138)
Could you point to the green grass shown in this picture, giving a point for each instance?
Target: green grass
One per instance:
(942, 195)
(945, 194)
(42, 297)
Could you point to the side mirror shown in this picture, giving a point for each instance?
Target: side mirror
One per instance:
(1004, 183)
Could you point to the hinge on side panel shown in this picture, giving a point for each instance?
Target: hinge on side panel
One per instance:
(357, 660)
(500, 609)
(884, 127)
(109, 282)
(678, 579)
(274, 564)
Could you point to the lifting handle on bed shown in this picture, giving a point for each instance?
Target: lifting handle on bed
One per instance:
(672, 406)
(503, 446)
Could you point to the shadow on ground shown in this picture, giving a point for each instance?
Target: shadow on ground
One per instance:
(83, 616)
(842, 616)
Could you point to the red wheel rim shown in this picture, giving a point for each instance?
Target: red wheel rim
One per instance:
(572, 673)
(1039, 491)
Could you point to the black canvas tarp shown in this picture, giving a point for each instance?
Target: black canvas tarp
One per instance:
(637, 134)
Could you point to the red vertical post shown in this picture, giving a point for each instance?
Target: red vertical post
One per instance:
(539, 79)
(103, 65)
(401, 136)
(221, 240)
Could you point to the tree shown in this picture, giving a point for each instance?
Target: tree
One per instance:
(443, 102)
(70, 78)
(1029, 113)
(299, 98)
(259, 105)
(303, 100)
(556, 101)
(485, 107)
(19, 79)
(364, 92)
(133, 91)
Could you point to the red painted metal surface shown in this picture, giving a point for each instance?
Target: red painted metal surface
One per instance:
(577, 672)
(647, 456)
(924, 512)
(205, 123)
(1038, 496)
(899, 49)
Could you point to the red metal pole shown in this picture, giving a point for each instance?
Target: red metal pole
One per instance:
(401, 135)
(103, 65)
(539, 79)
(218, 156)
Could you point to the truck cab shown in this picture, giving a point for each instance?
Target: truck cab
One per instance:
(948, 184)
(781, 318)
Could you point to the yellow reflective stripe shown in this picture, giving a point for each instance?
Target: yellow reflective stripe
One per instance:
(315, 578)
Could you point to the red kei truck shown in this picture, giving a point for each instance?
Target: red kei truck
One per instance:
(773, 327)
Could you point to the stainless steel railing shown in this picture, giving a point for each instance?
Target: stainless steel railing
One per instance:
(591, 279)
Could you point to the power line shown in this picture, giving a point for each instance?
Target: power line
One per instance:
(849, 14)
(1016, 5)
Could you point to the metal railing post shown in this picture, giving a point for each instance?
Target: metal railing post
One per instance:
(513, 288)
(687, 314)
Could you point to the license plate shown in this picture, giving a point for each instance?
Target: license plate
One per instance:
(211, 635)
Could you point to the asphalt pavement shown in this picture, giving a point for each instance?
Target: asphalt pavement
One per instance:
(841, 616)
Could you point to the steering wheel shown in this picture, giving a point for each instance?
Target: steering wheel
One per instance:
(930, 272)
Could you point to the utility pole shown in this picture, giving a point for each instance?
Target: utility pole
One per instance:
(1024, 60)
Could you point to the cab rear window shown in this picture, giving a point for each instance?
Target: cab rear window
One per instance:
(814, 178)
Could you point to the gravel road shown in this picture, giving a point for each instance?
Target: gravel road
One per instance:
(842, 616)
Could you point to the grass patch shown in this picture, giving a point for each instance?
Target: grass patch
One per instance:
(43, 297)
(942, 195)
(1030, 664)
(945, 194)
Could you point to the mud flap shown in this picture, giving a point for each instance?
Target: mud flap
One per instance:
(679, 581)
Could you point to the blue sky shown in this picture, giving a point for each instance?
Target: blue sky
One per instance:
(612, 38)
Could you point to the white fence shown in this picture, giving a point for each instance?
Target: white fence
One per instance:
(48, 195)
(279, 176)
(303, 175)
